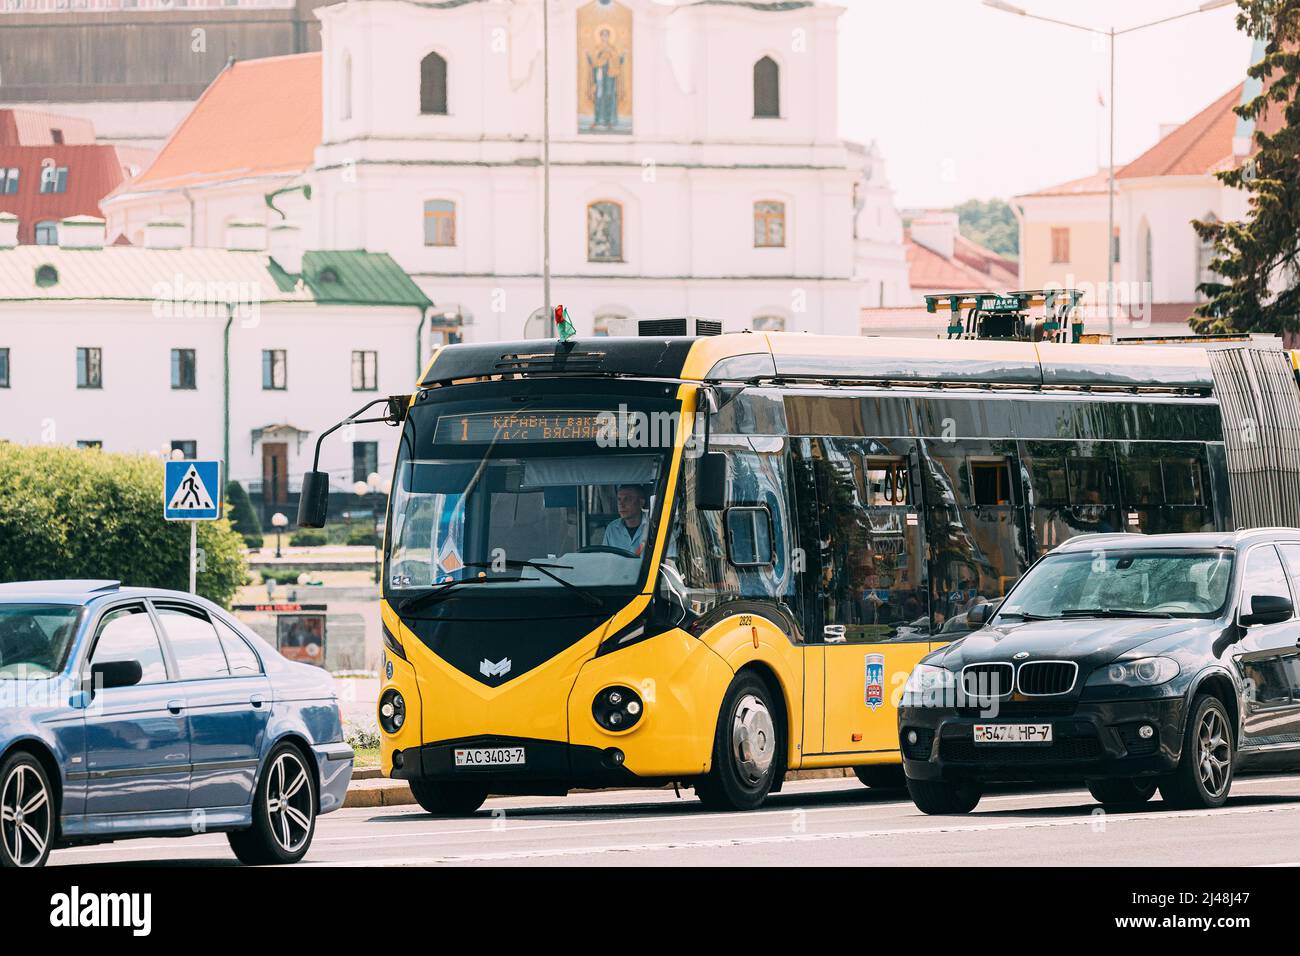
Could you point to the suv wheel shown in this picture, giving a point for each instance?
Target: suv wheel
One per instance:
(944, 798)
(1204, 774)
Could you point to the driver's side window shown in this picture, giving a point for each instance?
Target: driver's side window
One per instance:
(127, 634)
(1264, 577)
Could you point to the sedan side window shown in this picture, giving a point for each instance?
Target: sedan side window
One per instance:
(127, 634)
(193, 641)
(1264, 576)
(244, 661)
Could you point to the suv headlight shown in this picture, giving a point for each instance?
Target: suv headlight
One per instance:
(1144, 672)
(928, 684)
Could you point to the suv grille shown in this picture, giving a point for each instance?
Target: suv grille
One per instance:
(1045, 678)
(985, 681)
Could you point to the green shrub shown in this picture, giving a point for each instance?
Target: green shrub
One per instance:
(362, 536)
(66, 513)
(239, 508)
(254, 541)
(308, 538)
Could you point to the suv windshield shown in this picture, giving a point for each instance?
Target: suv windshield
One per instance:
(523, 499)
(1122, 583)
(34, 639)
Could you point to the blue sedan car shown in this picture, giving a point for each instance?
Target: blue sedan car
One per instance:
(129, 712)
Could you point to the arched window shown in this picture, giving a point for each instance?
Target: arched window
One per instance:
(1204, 258)
(47, 233)
(769, 323)
(769, 224)
(439, 222)
(433, 85)
(767, 89)
(345, 88)
(604, 231)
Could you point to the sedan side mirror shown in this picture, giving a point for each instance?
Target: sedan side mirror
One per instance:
(115, 674)
(1268, 609)
(979, 615)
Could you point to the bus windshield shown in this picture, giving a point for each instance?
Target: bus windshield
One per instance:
(520, 501)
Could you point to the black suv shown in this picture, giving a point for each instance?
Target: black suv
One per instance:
(1132, 662)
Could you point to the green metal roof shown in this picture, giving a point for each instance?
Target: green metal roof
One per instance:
(353, 277)
(132, 274)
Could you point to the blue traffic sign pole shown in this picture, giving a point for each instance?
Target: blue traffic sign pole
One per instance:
(192, 492)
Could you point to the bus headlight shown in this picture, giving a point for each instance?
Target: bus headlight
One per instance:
(392, 711)
(617, 708)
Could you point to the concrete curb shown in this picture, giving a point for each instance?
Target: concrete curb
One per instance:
(370, 789)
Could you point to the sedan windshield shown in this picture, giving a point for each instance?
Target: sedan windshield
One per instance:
(34, 639)
(1122, 583)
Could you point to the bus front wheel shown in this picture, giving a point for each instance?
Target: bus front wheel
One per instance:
(448, 799)
(746, 749)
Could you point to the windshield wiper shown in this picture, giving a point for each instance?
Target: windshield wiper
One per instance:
(442, 590)
(1026, 616)
(588, 598)
(1111, 612)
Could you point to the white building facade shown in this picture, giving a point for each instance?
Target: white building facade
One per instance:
(204, 353)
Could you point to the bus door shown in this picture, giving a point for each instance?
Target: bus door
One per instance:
(869, 613)
(979, 537)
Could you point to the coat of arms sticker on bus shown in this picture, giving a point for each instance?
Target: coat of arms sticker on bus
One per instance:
(875, 681)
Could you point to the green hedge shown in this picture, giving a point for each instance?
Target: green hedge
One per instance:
(242, 516)
(308, 538)
(68, 513)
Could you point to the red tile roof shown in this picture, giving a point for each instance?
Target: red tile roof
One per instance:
(257, 118)
(1085, 185)
(971, 269)
(93, 172)
(34, 128)
(1199, 146)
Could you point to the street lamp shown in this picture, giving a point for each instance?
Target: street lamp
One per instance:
(1112, 33)
(279, 522)
(372, 485)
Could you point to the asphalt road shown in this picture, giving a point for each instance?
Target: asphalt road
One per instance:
(810, 823)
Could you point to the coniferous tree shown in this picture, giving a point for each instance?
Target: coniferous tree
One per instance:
(1257, 261)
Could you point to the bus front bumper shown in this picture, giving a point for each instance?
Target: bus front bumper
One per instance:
(548, 767)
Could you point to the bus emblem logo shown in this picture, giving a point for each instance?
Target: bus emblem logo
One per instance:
(875, 681)
(500, 669)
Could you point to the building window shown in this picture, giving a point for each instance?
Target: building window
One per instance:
(365, 460)
(1204, 260)
(1060, 245)
(54, 179)
(274, 370)
(183, 368)
(769, 323)
(433, 85)
(604, 232)
(56, 136)
(769, 224)
(10, 181)
(47, 233)
(90, 368)
(187, 447)
(365, 371)
(88, 443)
(990, 482)
(345, 88)
(439, 222)
(767, 89)
(4, 368)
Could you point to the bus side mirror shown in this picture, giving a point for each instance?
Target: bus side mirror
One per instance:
(398, 406)
(314, 503)
(711, 482)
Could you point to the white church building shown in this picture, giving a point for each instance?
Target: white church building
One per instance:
(696, 164)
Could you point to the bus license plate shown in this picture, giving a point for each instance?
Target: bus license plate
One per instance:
(1013, 733)
(489, 756)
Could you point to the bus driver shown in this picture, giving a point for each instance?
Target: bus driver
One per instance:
(628, 532)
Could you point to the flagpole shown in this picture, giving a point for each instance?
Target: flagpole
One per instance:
(546, 161)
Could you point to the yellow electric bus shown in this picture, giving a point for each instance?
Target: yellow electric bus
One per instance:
(709, 559)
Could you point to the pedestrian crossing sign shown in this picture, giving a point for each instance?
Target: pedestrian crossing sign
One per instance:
(192, 491)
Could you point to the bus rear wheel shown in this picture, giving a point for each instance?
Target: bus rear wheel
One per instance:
(448, 799)
(746, 749)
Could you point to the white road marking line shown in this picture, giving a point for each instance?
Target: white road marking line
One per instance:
(724, 842)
